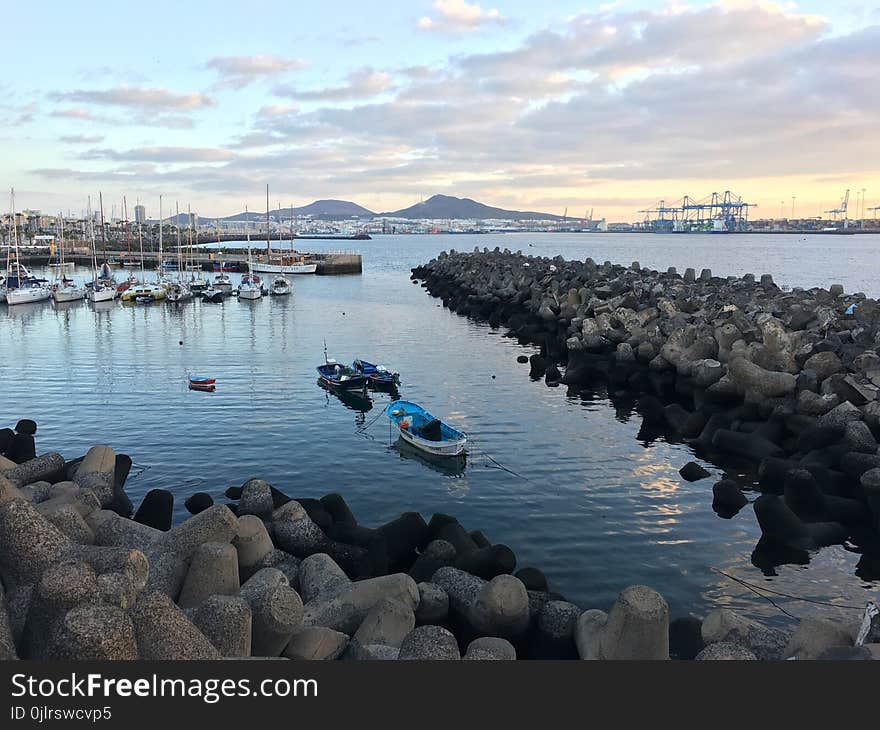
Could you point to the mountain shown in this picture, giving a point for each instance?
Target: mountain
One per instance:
(323, 209)
(447, 206)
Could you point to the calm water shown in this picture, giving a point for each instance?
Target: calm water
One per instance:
(589, 503)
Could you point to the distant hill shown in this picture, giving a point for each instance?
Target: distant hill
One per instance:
(438, 207)
(324, 209)
(447, 206)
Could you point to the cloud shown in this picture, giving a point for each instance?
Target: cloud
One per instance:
(239, 71)
(601, 108)
(147, 99)
(363, 83)
(459, 16)
(74, 113)
(172, 155)
(81, 139)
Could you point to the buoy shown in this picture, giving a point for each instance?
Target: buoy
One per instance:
(180, 342)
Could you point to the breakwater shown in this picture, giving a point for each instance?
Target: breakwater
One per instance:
(784, 383)
(86, 576)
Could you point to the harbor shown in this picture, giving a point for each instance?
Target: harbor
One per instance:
(580, 482)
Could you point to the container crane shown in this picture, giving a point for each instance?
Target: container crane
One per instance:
(841, 211)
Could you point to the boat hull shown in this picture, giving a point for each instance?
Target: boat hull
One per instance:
(250, 294)
(411, 419)
(102, 295)
(27, 294)
(68, 294)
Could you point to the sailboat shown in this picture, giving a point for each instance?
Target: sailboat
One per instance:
(64, 289)
(251, 286)
(197, 283)
(99, 288)
(131, 280)
(106, 273)
(145, 292)
(20, 286)
(222, 282)
(178, 291)
(280, 285)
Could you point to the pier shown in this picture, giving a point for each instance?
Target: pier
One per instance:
(329, 263)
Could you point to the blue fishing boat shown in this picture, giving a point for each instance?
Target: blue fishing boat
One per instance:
(421, 430)
(378, 376)
(340, 377)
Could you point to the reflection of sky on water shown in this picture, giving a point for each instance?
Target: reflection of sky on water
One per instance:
(589, 503)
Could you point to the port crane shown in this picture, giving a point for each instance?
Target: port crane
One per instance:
(841, 210)
(718, 212)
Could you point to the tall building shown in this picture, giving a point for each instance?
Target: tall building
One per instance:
(140, 214)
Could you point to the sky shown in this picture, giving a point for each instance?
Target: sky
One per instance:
(608, 107)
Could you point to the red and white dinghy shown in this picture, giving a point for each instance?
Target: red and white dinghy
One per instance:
(197, 382)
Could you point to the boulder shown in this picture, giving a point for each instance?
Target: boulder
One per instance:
(429, 643)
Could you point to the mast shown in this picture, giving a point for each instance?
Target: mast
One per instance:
(179, 252)
(159, 267)
(268, 245)
(248, 229)
(189, 227)
(14, 238)
(92, 242)
(127, 234)
(141, 244)
(103, 228)
(61, 249)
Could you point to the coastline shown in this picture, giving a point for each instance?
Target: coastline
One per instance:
(269, 576)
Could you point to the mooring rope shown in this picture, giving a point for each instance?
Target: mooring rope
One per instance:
(760, 590)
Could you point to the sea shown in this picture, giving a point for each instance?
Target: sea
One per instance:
(562, 477)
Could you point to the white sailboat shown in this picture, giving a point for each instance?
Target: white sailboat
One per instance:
(251, 286)
(99, 289)
(64, 289)
(280, 285)
(178, 291)
(20, 286)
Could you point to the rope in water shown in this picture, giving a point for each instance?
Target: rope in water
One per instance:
(760, 590)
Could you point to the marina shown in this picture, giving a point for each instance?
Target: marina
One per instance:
(593, 500)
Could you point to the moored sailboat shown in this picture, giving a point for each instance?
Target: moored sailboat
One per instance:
(251, 286)
(64, 289)
(19, 285)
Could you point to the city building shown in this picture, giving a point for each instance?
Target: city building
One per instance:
(140, 214)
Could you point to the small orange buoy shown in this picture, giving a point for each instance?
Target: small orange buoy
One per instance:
(404, 425)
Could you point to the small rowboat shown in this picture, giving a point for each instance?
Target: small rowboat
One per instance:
(340, 377)
(199, 383)
(378, 376)
(420, 429)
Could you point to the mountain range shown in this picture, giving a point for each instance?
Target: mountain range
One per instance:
(437, 207)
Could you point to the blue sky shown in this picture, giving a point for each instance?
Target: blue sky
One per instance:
(542, 106)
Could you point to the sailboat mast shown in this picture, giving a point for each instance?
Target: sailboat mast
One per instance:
(189, 226)
(103, 228)
(179, 252)
(141, 244)
(159, 266)
(248, 229)
(127, 233)
(268, 245)
(92, 240)
(61, 247)
(15, 238)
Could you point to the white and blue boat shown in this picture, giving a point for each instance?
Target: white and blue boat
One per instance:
(420, 429)
(378, 376)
